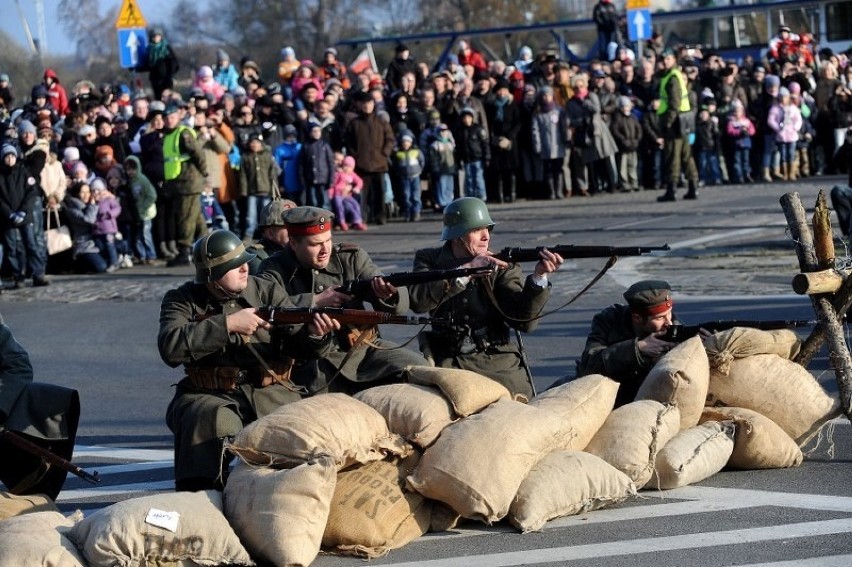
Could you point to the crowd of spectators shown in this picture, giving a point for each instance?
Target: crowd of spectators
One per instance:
(386, 145)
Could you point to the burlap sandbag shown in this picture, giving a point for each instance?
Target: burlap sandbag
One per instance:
(778, 388)
(39, 539)
(14, 505)
(280, 515)
(759, 443)
(693, 455)
(632, 435)
(478, 463)
(467, 391)
(583, 405)
(126, 534)
(680, 377)
(740, 342)
(565, 483)
(417, 413)
(372, 512)
(333, 425)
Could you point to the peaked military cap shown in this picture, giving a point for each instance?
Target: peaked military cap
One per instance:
(306, 221)
(649, 297)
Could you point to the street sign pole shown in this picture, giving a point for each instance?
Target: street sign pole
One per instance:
(132, 38)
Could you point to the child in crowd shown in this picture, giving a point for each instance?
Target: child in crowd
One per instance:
(408, 163)
(627, 133)
(346, 186)
(258, 177)
(707, 142)
(785, 120)
(474, 152)
(316, 167)
(807, 107)
(287, 157)
(144, 197)
(106, 226)
(214, 216)
(442, 161)
(740, 129)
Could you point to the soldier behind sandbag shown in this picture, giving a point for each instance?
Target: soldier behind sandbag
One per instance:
(310, 269)
(624, 341)
(273, 232)
(477, 338)
(237, 366)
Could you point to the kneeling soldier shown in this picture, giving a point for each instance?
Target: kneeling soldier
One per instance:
(237, 366)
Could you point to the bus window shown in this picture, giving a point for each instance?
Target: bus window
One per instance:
(839, 21)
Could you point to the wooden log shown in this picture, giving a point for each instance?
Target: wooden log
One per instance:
(825, 281)
(823, 238)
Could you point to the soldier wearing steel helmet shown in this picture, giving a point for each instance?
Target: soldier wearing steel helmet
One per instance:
(478, 337)
(273, 232)
(237, 367)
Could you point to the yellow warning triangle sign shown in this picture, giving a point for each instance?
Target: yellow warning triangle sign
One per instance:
(130, 16)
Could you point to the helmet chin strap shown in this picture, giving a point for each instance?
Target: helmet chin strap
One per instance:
(225, 292)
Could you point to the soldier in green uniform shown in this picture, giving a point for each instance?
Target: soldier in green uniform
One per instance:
(273, 236)
(310, 269)
(44, 414)
(677, 121)
(478, 337)
(186, 177)
(237, 366)
(624, 342)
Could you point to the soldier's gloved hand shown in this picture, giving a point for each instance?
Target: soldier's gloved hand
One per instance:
(549, 262)
(331, 298)
(322, 325)
(382, 289)
(245, 322)
(654, 347)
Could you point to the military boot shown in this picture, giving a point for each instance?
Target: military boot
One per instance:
(669, 195)
(693, 191)
(183, 258)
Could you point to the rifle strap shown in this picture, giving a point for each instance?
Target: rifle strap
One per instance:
(363, 339)
(489, 289)
(277, 377)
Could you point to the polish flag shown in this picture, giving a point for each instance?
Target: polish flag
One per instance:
(362, 62)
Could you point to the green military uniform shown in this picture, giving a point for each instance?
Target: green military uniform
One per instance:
(222, 390)
(271, 215)
(677, 153)
(367, 363)
(479, 338)
(185, 177)
(263, 249)
(612, 345)
(44, 414)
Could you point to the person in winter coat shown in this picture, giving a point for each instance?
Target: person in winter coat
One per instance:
(442, 163)
(56, 92)
(605, 15)
(785, 120)
(145, 200)
(287, 157)
(225, 73)
(81, 213)
(739, 130)
(205, 81)
(707, 144)
(401, 64)
(408, 163)
(105, 228)
(258, 178)
(343, 192)
(160, 62)
(627, 133)
(18, 193)
(474, 153)
(504, 123)
(550, 140)
(316, 167)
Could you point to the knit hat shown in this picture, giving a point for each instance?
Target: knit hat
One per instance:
(288, 52)
(349, 161)
(623, 101)
(104, 151)
(205, 72)
(26, 126)
(795, 88)
(406, 135)
(98, 184)
(86, 130)
(400, 47)
(4, 77)
(71, 154)
(221, 55)
(771, 81)
(783, 91)
(39, 91)
(8, 149)
(546, 90)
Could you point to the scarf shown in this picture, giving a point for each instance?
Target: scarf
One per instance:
(157, 51)
(499, 104)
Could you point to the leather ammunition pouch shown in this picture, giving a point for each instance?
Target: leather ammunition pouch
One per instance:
(454, 341)
(349, 337)
(227, 378)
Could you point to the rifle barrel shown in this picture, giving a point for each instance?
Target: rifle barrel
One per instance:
(362, 288)
(33, 449)
(510, 254)
(290, 316)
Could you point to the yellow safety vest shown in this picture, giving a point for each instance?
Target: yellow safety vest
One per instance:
(172, 158)
(664, 95)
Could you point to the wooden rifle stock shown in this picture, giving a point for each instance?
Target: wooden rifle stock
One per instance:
(293, 316)
(33, 449)
(572, 251)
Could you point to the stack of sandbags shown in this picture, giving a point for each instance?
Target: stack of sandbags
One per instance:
(478, 463)
(565, 483)
(371, 511)
(693, 455)
(416, 413)
(280, 515)
(633, 434)
(582, 404)
(681, 377)
(759, 443)
(39, 538)
(468, 392)
(15, 505)
(741, 342)
(183, 529)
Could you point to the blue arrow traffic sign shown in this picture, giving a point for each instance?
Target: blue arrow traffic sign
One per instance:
(639, 25)
(132, 43)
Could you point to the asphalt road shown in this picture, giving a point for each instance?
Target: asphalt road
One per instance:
(731, 259)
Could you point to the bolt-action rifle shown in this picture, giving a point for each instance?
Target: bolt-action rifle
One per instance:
(362, 289)
(356, 317)
(510, 254)
(48, 457)
(679, 333)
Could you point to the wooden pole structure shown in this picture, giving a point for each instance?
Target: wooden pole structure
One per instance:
(830, 326)
(824, 281)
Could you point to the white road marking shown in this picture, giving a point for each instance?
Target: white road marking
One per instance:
(828, 561)
(79, 494)
(95, 451)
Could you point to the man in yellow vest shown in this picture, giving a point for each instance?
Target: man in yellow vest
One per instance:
(677, 122)
(185, 173)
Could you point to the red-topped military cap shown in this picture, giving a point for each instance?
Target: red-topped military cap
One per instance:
(649, 297)
(306, 221)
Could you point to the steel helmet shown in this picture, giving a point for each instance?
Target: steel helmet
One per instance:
(217, 253)
(273, 213)
(463, 215)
